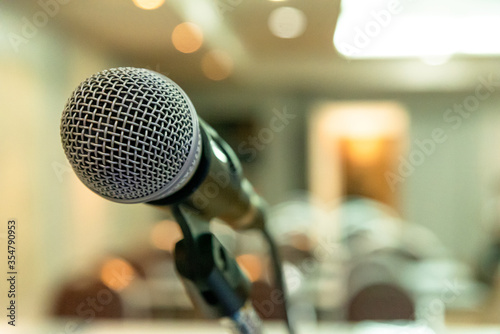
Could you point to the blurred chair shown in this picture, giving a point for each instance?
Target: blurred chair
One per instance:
(380, 302)
(87, 300)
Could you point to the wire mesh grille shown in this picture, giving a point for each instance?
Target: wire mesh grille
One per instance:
(129, 133)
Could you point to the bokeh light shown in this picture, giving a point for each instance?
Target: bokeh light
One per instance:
(165, 235)
(148, 4)
(117, 274)
(217, 65)
(187, 37)
(366, 120)
(252, 266)
(287, 22)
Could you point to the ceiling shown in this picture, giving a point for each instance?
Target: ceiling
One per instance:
(308, 64)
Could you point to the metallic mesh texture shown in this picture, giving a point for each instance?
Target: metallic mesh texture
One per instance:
(128, 134)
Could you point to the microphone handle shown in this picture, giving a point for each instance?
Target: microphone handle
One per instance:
(218, 187)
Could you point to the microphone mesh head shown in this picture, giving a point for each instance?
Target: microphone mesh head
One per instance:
(131, 135)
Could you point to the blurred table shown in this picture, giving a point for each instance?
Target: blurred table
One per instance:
(206, 327)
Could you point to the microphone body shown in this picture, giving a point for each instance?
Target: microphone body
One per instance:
(218, 187)
(133, 136)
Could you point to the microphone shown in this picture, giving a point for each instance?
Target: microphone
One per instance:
(133, 136)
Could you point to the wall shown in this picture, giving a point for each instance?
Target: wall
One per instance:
(450, 190)
(63, 227)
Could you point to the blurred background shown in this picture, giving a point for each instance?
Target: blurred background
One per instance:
(370, 127)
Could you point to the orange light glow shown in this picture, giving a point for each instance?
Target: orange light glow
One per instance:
(187, 37)
(117, 274)
(251, 265)
(165, 234)
(365, 152)
(217, 65)
(366, 120)
(148, 4)
(353, 145)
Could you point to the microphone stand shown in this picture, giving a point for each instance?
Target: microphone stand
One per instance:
(211, 276)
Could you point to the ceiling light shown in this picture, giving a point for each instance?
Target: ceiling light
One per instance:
(187, 37)
(287, 22)
(148, 4)
(426, 28)
(217, 65)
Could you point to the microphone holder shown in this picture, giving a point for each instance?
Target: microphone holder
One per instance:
(210, 274)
